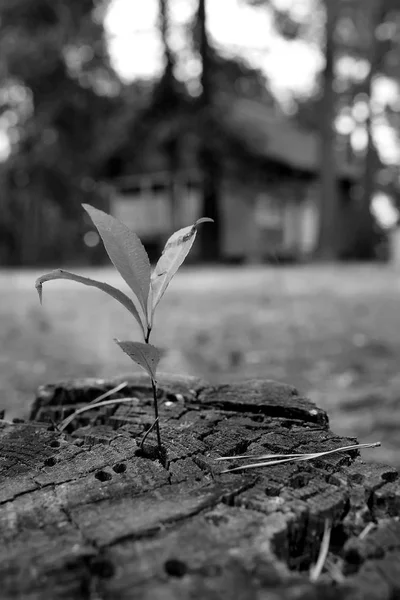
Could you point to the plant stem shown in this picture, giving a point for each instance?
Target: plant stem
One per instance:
(154, 386)
(148, 433)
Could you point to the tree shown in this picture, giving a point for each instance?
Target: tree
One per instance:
(175, 130)
(56, 63)
(351, 28)
(170, 86)
(328, 195)
(363, 41)
(208, 158)
(364, 233)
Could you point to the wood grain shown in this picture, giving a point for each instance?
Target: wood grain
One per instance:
(87, 515)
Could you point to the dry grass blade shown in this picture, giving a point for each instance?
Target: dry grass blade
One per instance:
(91, 407)
(292, 457)
(323, 552)
(114, 390)
(94, 403)
(258, 457)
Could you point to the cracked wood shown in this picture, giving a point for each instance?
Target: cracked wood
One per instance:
(87, 515)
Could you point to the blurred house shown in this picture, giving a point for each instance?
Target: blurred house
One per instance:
(268, 189)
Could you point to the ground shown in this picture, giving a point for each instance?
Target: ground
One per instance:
(333, 331)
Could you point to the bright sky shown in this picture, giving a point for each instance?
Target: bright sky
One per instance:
(136, 50)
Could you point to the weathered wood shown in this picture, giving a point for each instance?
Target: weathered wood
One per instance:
(87, 515)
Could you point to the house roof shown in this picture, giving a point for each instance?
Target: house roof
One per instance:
(273, 135)
(262, 130)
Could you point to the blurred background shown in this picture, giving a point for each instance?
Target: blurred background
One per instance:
(280, 119)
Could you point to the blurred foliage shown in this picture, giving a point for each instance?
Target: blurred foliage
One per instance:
(73, 126)
(180, 130)
(361, 45)
(60, 97)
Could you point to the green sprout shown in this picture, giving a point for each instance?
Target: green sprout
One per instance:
(129, 257)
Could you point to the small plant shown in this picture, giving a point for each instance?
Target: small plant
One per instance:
(129, 257)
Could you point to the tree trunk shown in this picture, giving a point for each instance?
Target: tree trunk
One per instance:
(364, 238)
(164, 30)
(87, 514)
(327, 243)
(210, 237)
(174, 188)
(173, 145)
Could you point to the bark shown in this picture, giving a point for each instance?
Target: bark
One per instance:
(210, 237)
(85, 514)
(327, 244)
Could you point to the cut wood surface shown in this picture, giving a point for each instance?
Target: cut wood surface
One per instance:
(85, 514)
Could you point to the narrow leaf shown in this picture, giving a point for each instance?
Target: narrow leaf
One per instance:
(176, 250)
(126, 252)
(104, 287)
(145, 355)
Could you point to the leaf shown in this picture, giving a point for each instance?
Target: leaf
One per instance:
(145, 355)
(126, 252)
(176, 250)
(104, 287)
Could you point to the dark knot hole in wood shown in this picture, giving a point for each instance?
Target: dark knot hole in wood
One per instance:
(103, 476)
(175, 567)
(119, 468)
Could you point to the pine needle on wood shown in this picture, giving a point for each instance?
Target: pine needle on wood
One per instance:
(283, 458)
(96, 403)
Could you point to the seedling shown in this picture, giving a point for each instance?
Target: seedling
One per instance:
(129, 257)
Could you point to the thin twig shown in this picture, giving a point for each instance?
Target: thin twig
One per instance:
(293, 457)
(147, 433)
(154, 387)
(316, 570)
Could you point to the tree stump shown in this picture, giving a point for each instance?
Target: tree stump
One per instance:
(85, 514)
